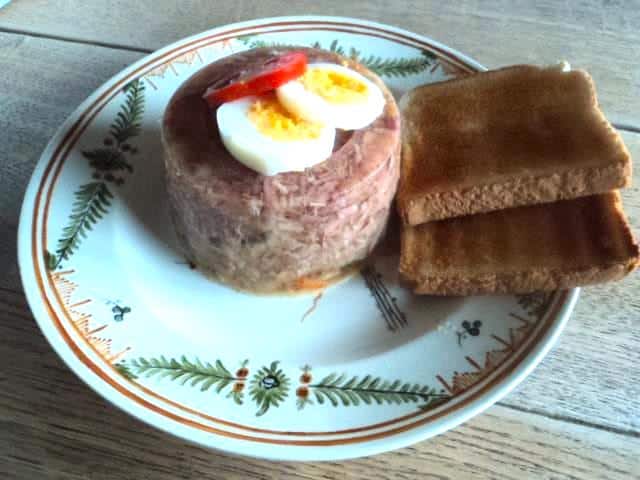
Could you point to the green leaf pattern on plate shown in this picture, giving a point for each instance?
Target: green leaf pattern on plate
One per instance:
(351, 391)
(270, 386)
(93, 200)
(386, 67)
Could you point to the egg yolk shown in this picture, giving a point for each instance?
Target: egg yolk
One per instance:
(275, 121)
(334, 87)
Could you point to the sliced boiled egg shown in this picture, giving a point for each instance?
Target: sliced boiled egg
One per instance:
(332, 94)
(260, 133)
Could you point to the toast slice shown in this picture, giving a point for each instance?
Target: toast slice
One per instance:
(541, 247)
(505, 138)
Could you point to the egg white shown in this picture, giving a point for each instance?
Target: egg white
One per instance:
(262, 153)
(347, 116)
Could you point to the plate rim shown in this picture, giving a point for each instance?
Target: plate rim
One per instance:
(26, 261)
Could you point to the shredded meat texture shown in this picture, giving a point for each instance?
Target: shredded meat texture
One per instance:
(263, 233)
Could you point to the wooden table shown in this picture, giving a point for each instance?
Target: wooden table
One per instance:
(576, 416)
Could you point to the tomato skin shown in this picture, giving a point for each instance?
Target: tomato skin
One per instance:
(279, 71)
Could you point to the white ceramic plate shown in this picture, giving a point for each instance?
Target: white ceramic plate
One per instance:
(367, 367)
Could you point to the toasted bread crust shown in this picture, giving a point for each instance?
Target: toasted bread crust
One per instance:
(542, 247)
(515, 193)
(502, 139)
(541, 279)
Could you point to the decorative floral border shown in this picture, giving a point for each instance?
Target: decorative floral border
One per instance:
(535, 306)
(270, 385)
(84, 322)
(385, 67)
(109, 162)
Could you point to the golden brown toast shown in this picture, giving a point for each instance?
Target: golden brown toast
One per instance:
(541, 247)
(516, 136)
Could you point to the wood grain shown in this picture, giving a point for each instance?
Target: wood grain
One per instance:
(53, 426)
(576, 416)
(601, 36)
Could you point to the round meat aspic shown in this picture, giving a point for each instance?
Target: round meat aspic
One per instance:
(282, 232)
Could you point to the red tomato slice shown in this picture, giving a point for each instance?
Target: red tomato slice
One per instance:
(285, 68)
